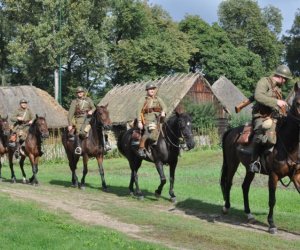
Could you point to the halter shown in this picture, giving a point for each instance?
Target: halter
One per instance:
(181, 137)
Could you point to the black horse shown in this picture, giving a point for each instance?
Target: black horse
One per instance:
(283, 161)
(4, 136)
(166, 151)
(38, 131)
(92, 146)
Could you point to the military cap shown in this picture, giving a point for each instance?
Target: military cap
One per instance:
(284, 71)
(80, 89)
(150, 86)
(23, 100)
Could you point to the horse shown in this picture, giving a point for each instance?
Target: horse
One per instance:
(38, 131)
(166, 151)
(92, 146)
(283, 161)
(4, 135)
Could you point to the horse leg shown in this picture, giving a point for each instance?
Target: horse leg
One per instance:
(160, 170)
(21, 163)
(34, 165)
(101, 172)
(11, 166)
(0, 170)
(228, 171)
(73, 166)
(273, 179)
(134, 166)
(246, 186)
(172, 180)
(84, 171)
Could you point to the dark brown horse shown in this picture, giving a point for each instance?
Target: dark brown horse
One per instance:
(4, 136)
(283, 161)
(166, 151)
(92, 146)
(38, 131)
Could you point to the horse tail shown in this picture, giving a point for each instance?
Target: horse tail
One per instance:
(224, 170)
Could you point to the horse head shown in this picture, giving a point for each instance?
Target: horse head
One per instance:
(102, 116)
(41, 126)
(4, 126)
(185, 128)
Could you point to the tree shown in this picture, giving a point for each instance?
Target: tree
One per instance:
(145, 43)
(216, 55)
(247, 25)
(293, 45)
(51, 32)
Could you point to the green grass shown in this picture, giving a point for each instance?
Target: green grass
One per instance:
(25, 226)
(195, 221)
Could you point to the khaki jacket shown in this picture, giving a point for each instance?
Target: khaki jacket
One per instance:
(149, 108)
(79, 108)
(266, 95)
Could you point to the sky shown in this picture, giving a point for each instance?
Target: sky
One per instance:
(208, 9)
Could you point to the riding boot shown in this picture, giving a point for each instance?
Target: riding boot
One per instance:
(255, 166)
(141, 150)
(78, 149)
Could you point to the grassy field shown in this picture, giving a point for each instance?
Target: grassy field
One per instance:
(194, 222)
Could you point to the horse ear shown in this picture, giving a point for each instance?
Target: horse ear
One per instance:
(36, 116)
(106, 105)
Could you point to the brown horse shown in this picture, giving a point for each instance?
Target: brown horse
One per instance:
(283, 161)
(38, 131)
(4, 135)
(92, 146)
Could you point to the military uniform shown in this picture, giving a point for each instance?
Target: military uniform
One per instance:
(148, 111)
(265, 111)
(77, 115)
(21, 127)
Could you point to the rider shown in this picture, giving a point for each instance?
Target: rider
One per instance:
(150, 109)
(22, 119)
(79, 115)
(268, 108)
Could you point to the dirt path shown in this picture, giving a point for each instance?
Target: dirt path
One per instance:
(82, 206)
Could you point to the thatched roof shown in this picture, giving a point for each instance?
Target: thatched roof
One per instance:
(40, 102)
(229, 95)
(123, 99)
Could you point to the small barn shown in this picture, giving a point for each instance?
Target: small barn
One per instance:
(40, 102)
(230, 96)
(122, 99)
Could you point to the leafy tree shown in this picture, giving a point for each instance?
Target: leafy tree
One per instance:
(247, 25)
(145, 43)
(293, 45)
(216, 55)
(50, 32)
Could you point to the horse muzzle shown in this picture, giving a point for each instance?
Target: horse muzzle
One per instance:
(45, 135)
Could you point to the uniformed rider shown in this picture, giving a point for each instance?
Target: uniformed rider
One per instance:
(22, 118)
(150, 112)
(268, 108)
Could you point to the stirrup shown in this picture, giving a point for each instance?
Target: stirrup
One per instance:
(12, 144)
(255, 167)
(78, 151)
(142, 153)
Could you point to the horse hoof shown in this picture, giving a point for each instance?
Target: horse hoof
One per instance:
(13, 180)
(104, 189)
(157, 195)
(225, 210)
(82, 187)
(251, 219)
(173, 199)
(131, 194)
(24, 181)
(272, 230)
